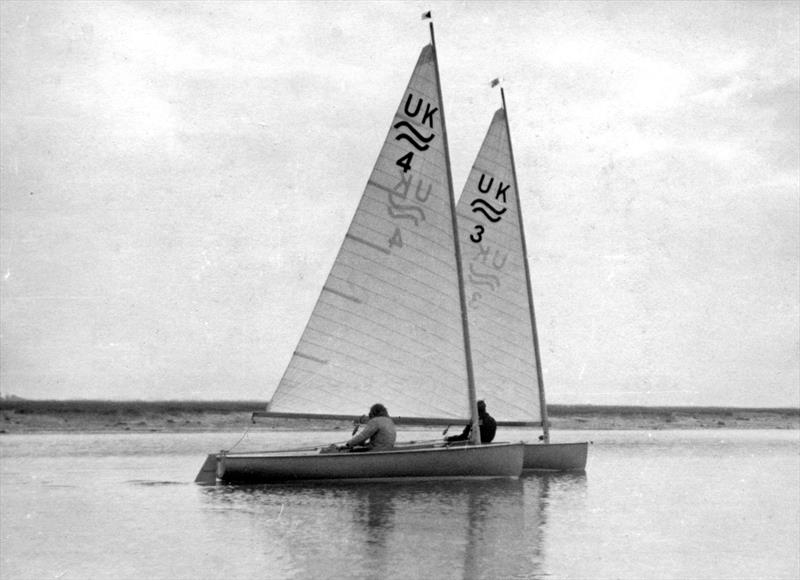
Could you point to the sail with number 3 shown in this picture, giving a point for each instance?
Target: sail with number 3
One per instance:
(501, 331)
(499, 297)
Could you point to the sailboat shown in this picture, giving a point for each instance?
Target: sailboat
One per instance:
(502, 320)
(390, 324)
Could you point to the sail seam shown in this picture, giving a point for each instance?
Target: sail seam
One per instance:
(342, 295)
(366, 243)
(309, 357)
(400, 363)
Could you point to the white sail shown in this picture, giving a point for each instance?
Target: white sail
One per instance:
(500, 321)
(387, 326)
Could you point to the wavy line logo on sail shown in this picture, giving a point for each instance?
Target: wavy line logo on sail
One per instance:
(482, 206)
(414, 135)
(480, 279)
(399, 211)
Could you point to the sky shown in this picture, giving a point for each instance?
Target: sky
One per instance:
(176, 179)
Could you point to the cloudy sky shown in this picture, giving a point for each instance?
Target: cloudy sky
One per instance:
(177, 178)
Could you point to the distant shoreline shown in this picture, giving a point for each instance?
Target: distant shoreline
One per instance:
(76, 416)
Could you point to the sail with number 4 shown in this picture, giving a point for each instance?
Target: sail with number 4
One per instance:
(388, 325)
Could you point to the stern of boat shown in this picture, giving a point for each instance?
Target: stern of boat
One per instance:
(208, 472)
(556, 456)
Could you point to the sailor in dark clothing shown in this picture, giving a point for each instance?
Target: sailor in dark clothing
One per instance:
(486, 424)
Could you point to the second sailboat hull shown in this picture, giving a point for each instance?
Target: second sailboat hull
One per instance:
(556, 456)
(550, 456)
(501, 460)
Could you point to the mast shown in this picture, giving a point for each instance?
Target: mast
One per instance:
(542, 404)
(475, 434)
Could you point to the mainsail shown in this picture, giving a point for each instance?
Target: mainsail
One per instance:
(501, 323)
(387, 326)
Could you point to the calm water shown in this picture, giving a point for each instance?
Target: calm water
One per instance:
(668, 504)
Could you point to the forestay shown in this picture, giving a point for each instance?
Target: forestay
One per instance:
(500, 317)
(387, 326)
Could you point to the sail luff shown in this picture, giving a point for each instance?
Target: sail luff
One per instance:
(475, 434)
(542, 403)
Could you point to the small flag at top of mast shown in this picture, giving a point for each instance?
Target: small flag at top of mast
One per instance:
(496, 82)
(426, 15)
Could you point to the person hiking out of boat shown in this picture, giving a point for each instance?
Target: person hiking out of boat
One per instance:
(486, 424)
(379, 434)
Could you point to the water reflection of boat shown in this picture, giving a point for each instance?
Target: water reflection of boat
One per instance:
(406, 529)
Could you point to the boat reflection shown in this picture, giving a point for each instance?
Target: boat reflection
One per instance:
(491, 528)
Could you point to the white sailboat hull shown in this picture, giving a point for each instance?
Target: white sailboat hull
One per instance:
(497, 460)
(555, 456)
(551, 456)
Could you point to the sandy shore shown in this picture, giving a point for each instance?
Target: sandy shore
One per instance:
(186, 416)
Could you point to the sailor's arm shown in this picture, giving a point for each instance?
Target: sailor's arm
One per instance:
(365, 434)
